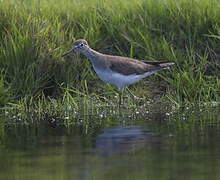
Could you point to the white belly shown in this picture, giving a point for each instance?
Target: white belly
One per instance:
(120, 80)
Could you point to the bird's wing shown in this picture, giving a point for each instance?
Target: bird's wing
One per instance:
(129, 66)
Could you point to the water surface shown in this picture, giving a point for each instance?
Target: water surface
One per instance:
(180, 145)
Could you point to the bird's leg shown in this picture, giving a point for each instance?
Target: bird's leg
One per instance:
(119, 103)
(120, 93)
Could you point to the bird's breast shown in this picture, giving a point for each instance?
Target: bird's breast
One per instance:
(104, 75)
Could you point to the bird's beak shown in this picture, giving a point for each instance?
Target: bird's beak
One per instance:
(69, 51)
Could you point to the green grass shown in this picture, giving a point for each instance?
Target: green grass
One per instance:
(34, 34)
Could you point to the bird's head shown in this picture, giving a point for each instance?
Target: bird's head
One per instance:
(80, 45)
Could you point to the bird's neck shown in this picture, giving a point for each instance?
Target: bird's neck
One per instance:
(96, 59)
(91, 54)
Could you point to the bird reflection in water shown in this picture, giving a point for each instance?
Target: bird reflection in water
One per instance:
(122, 139)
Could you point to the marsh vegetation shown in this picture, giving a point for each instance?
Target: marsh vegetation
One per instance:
(34, 34)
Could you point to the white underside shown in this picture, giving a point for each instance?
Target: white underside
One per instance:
(121, 80)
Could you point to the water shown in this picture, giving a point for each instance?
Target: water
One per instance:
(180, 145)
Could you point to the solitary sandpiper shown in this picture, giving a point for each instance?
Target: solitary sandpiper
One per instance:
(117, 70)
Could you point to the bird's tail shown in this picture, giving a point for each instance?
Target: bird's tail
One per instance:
(165, 65)
(160, 64)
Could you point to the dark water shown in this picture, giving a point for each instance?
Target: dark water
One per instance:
(183, 145)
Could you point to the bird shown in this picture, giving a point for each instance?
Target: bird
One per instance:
(117, 70)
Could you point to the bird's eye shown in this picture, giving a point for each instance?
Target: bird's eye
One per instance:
(81, 45)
